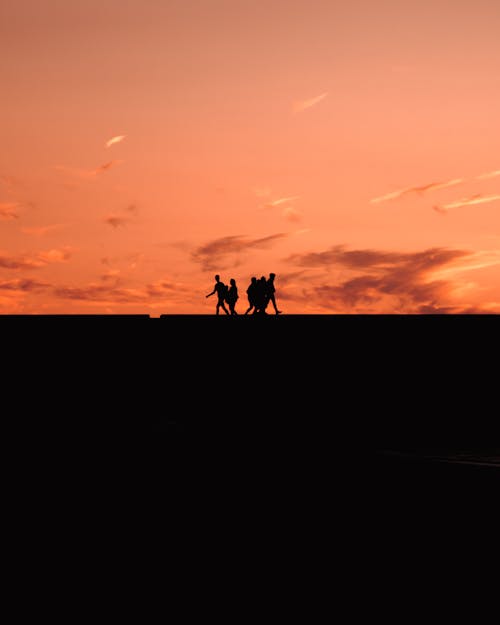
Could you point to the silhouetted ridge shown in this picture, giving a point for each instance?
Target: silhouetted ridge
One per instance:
(77, 316)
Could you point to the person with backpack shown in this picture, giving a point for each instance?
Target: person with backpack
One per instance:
(221, 289)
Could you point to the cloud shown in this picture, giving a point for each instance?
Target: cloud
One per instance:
(433, 186)
(126, 261)
(161, 291)
(467, 201)
(19, 262)
(24, 285)
(113, 140)
(99, 293)
(490, 174)
(111, 274)
(34, 261)
(288, 212)
(291, 213)
(302, 105)
(105, 167)
(116, 220)
(8, 210)
(385, 281)
(472, 262)
(41, 231)
(56, 255)
(352, 259)
(420, 190)
(281, 200)
(87, 173)
(161, 288)
(213, 255)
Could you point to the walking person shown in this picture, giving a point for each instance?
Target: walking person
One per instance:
(261, 296)
(221, 289)
(271, 290)
(251, 295)
(232, 296)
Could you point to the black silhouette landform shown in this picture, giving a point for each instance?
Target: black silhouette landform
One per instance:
(396, 385)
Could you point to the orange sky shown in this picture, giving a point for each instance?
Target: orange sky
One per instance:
(351, 148)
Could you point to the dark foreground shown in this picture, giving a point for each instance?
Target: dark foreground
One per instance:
(352, 388)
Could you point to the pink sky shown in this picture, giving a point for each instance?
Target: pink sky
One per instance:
(255, 137)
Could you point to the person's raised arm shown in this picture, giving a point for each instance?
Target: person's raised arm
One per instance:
(210, 293)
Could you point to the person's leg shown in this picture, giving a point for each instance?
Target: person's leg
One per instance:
(274, 305)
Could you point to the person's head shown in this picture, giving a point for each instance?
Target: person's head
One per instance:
(232, 282)
(254, 279)
(272, 276)
(217, 278)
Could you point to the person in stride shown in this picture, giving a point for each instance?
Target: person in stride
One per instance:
(271, 290)
(232, 296)
(221, 290)
(251, 295)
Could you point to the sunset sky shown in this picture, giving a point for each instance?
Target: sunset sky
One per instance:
(352, 148)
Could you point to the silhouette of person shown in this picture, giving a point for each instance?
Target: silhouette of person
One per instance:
(221, 290)
(271, 290)
(232, 296)
(261, 298)
(252, 295)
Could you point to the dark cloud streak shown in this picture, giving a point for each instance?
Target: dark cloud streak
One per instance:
(405, 279)
(213, 255)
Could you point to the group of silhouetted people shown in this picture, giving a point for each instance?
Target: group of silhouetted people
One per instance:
(260, 293)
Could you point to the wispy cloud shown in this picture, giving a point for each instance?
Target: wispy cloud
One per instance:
(288, 211)
(19, 262)
(292, 214)
(87, 173)
(126, 261)
(467, 201)
(352, 259)
(34, 261)
(419, 190)
(160, 291)
(9, 210)
(99, 293)
(471, 262)
(116, 220)
(387, 281)
(111, 274)
(490, 174)
(213, 255)
(24, 285)
(57, 255)
(42, 231)
(113, 140)
(281, 200)
(434, 186)
(160, 288)
(302, 105)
